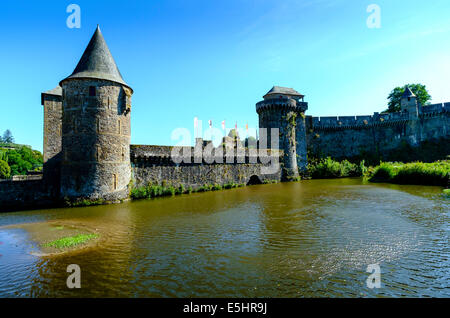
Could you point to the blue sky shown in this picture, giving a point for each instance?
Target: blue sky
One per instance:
(215, 59)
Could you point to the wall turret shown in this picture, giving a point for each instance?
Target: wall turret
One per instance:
(96, 127)
(284, 108)
(409, 103)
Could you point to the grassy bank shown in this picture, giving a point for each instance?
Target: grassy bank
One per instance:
(436, 173)
(328, 168)
(153, 191)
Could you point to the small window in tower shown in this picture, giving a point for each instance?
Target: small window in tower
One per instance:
(409, 99)
(92, 91)
(115, 181)
(119, 125)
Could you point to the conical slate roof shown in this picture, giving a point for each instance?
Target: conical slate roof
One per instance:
(283, 90)
(408, 92)
(97, 62)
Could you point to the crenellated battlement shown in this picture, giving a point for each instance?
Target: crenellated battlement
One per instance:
(377, 119)
(162, 155)
(276, 103)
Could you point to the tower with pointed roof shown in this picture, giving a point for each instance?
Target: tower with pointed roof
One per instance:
(95, 127)
(409, 103)
(284, 109)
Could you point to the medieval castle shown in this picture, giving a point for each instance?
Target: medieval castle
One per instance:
(87, 150)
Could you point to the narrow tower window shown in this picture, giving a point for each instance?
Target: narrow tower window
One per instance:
(115, 181)
(92, 91)
(119, 126)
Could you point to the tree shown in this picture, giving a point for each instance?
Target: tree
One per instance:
(250, 142)
(8, 137)
(5, 170)
(420, 90)
(23, 159)
(233, 134)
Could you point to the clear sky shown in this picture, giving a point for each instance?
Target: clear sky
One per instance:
(215, 59)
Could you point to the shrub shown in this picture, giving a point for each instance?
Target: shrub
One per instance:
(436, 173)
(328, 168)
(5, 170)
(384, 172)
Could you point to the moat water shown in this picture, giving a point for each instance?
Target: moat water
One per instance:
(307, 239)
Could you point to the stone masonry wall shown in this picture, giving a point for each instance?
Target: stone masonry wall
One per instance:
(24, 194)
(52, 140)
(153, 164)
(96, 140)
(381, 134)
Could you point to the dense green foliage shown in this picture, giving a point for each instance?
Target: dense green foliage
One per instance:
(153, 191)
(21, 159)
(329, 168)
(423, 97)
(436, 173)
(70, 241)
(5, 170)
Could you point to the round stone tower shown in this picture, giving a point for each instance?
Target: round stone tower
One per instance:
(284, 108)
(96, 127)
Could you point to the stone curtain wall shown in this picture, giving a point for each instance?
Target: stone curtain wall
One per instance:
(380, 134)
(153, 165)
(24, 194)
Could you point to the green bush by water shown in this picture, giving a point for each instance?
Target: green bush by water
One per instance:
(329, 168)
(436, 173)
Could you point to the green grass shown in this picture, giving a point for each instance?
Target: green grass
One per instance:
(70, 241)
(153, 191)
(447, 193)
(328, 168)
(84, 202)
(436, 173)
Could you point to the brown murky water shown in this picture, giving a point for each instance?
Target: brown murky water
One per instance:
(308, 239)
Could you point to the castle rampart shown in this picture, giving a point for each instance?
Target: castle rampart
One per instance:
(379, 135)
(154, 165)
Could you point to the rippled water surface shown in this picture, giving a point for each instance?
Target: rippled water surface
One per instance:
(308, 239)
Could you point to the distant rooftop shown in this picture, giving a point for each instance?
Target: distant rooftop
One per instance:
(97, 62)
